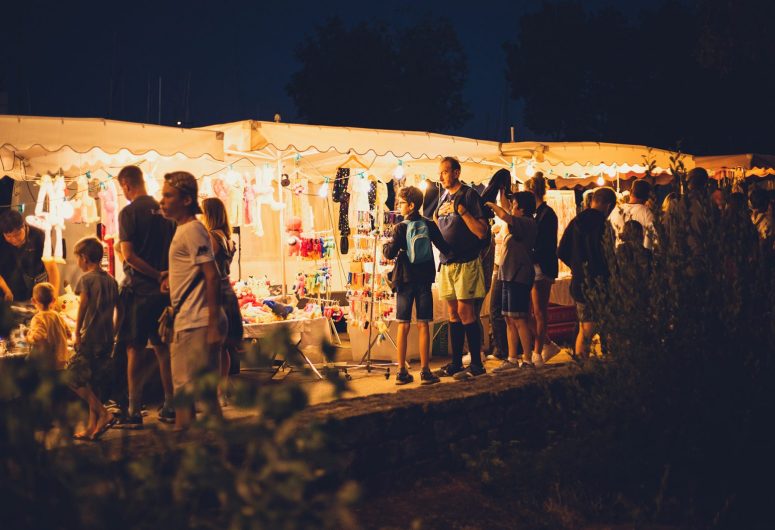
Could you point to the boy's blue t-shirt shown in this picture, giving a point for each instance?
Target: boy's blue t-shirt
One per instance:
(102, 291)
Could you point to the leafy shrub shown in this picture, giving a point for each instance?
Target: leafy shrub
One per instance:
(237, 475)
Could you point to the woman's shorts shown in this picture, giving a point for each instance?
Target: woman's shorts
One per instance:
(516, 300)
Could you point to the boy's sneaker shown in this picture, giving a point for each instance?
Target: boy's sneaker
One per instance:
(133, 421)
(428, 378)
(505, 366)
(404, 378)
(448, 370)
(166, 415)
(472, 371)
(538, 360)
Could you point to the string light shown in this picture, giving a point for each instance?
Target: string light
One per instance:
(398, 172)
(423, 184)
(600, 180)
(530, 170)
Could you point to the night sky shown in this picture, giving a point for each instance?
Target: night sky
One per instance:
(233, 59)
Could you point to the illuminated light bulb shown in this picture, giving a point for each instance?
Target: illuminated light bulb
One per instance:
(600, 181)
(423, 185)
(323, 191)
(398, 172)
(530, 170)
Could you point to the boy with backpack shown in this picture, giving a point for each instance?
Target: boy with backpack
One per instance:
(414, 273)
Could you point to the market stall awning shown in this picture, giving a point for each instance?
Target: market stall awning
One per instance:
(742, 165)
(324, 148)
(589, 161)
(32, 145)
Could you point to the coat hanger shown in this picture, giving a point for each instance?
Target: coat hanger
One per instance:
(355, 161)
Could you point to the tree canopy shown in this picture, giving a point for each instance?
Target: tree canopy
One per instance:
(700, 75)
(369, 75)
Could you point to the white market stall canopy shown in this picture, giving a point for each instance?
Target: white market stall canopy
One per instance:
(31, 146)
(738, 166)
(583, 163)
(320, 150)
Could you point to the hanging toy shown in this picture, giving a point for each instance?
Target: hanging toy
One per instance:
(293, 229)
(299, 287)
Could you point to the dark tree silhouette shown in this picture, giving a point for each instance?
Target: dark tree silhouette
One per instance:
(372, 76)
(699, 74)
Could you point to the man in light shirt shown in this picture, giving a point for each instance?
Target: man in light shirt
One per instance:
(635, 210)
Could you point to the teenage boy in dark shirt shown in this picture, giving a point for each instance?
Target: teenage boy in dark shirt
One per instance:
(414, 280)
(464, 227)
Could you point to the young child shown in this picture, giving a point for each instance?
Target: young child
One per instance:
(416, 273)
(94, 331)
(517, 274)
(47, 334)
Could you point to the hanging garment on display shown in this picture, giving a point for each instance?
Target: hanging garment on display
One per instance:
(220, 191)
(85, 207)
(301, 193)
(109, 205)
(372, 194)
(235, 197)
(249, 201)
(264, 196)
(390, 200)
(342, 196)
(51, 219)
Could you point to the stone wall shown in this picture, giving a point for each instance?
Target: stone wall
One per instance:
(380, 437)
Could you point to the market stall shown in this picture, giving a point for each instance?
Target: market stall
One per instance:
(742, 167)
(328, 191)
(63, 171)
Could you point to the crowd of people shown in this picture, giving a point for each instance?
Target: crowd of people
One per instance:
(176, 273)
(176, 268)
(524, 235)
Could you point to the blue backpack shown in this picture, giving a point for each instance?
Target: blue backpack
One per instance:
(418, 242)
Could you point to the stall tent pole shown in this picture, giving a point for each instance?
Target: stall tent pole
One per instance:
(281, 199)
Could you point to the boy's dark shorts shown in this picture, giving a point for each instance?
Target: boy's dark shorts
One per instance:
(515, 301)
(418, 294)
(140, 317)
(90, 363)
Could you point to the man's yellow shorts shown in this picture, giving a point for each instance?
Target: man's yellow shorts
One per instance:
(462, 281)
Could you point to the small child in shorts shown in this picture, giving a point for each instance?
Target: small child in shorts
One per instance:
(94, 332)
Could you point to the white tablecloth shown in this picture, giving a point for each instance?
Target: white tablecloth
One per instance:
(311, 332)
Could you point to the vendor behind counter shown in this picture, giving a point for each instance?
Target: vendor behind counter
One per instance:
(21, 259)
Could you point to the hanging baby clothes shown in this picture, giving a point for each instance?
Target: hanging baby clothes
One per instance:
(206, 189)
(302, 205)
(235, 197)
(109, 204)
(84, 204)
(342, 196)
(220, 190)
(264, 196)
(250, 200)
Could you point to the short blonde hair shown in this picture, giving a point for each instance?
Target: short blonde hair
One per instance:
(43, 293)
